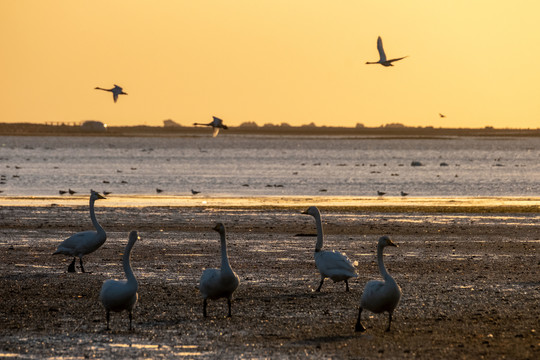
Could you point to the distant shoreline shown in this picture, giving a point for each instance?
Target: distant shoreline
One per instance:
(30, 129)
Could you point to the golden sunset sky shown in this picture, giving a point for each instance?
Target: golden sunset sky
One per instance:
(272, 61)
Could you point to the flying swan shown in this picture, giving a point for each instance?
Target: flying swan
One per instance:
(120, 295)
(380, 296)
(219, 283)
(116, 90)
(84, 242)
(332, 264)
(382, 56)
(216, 124)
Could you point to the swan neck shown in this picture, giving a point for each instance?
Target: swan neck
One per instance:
(320, 235)
(380, 261)
(224, 256)
(93, 217)
(127, 263)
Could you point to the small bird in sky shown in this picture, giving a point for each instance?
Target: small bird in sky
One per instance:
(442, 115)
(116, 90)
(216, 124)
(382, 56)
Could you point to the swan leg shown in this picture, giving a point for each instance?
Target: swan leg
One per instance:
(108, 317)
(359, 327)
(389, 321)
(229, 304)
(71, 267)
(346, 285)
(80, 261)
(320, 285)
(204, 307)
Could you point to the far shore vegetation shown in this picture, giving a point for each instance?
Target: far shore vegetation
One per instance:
(171, 128)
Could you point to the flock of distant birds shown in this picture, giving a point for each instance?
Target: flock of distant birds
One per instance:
(216, 124)
(121, 295)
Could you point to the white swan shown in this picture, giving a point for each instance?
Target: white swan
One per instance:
(84, 242)
(120, 295)
(216, 124)
(332, 264)
(219, 283)
(380, 296)
(382, 56)
(116, 90)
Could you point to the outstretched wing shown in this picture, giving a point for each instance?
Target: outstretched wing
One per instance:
(392, 60)
(382, 55)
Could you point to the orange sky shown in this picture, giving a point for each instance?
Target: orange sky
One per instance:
(272, 61)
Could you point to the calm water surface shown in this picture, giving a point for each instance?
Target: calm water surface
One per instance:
(269, 165)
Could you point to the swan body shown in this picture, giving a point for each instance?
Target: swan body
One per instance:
(84, 242)
(382, 56)
(216, 124)
(332, 264)
(380, 296)
(120, 295)
(219, 283)
(116, 90)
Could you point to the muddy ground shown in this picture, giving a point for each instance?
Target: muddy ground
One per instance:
(471, 289)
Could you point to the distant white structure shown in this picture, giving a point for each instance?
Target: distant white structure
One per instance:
(92, 125)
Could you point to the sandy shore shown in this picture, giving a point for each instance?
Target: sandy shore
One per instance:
(469, 275)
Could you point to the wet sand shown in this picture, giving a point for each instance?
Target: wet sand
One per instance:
(469, 276)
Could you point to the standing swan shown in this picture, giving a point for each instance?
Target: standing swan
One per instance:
(84, 242)
(216, 124)
(219, 283)
(332, 264)
(380, 296)
(382, 56)
(116, 90)
(119, 295)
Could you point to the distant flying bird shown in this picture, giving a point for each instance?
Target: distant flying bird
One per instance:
(216, 124)
(382, 56)
(116, 90)
(442, 115)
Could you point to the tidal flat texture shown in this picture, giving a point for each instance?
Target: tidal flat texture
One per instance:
(470, 283)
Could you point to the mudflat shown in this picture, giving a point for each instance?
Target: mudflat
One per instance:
(470, 283)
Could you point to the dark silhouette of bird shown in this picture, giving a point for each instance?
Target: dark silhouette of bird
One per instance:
(195, 192)
(71, 192)
(216, 124)
(442, 115)
(382, 56)
(116, 90)
(62, 192)
(159, 190)
(404, 193)
(380, 193)
(106, 193)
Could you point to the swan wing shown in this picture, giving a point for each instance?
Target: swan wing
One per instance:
(209, 281)
(215, 131)
(382, 55)
(335, 264)
(83, 242)
(115, 96)
(396, 59)
(118, 295)
(379, 296)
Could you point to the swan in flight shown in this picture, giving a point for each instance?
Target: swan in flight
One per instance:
(116, 90)
(120, 295)
(219, 283)
(382, 56)
(380, 296)
(216, 124)
(84, 242)
(332, 264)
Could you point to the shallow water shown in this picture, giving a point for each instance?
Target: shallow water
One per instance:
(270, 165)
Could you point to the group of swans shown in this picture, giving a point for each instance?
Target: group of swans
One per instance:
(120, 295)
(378, 296)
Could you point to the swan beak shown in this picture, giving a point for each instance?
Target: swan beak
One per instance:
(391, 243)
